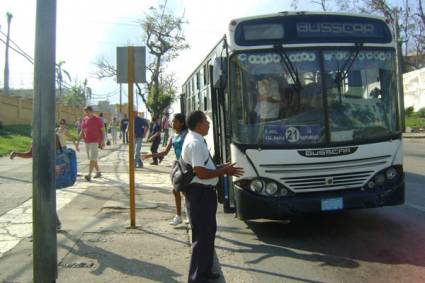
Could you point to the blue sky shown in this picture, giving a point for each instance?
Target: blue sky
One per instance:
(87, 30)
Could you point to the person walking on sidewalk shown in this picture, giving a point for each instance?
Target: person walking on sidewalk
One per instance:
(201, 198)
(165, 126)
(155, 138)
(113, 126)
(123, 127)
(140, 129)
(92, 133)
(176, 141)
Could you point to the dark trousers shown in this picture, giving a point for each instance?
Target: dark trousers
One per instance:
(154, 148)
(124, 136)
(201, 203)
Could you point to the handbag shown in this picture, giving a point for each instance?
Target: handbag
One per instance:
(181, 175)
(67, 160)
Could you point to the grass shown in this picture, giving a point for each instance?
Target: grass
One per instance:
(414, 121)
(15, 138)
(18, 138)
(72, 131)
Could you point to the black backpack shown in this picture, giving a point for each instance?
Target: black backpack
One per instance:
(181, 175)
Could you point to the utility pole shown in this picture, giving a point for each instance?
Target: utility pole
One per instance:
(43, 146)
(121, 99)
(6, 64)
(399, 51)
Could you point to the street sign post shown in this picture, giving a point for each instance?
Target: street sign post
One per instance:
(131, 69)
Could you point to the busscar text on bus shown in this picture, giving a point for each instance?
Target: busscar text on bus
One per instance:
(307, 104)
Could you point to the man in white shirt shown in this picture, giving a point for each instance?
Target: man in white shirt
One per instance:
(201, 198)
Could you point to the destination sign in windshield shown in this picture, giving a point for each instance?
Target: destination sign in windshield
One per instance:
(304, 29)
(263, 31)
(343, 29)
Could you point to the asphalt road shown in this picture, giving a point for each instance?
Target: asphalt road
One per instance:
(375, 245)
(16, 178)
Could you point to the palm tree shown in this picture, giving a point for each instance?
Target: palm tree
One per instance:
(6, 64)
(59, 75)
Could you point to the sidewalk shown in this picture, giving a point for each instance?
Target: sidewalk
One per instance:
(96, 244)
(414, 135)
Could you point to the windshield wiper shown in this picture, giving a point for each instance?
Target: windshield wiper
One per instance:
(343, 74)
(293, 72)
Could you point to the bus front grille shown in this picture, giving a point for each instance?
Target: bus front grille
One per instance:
(327, 182)
(327, 175)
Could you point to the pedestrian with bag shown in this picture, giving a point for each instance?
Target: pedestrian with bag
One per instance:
(65, 168)
(201, 197)
(176, 141)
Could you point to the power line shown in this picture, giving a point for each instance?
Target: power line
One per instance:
(135, 24)
(31, 60)
(16, 45)
(21, 52)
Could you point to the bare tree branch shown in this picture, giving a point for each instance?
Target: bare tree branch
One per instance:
(104, 69)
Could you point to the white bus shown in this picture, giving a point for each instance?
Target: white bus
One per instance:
(307, 103)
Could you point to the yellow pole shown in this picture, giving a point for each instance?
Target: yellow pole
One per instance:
(131, 136)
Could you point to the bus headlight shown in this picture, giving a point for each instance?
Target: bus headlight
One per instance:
(380, 179)
(391, 173)
(256, 185)
(272, 188)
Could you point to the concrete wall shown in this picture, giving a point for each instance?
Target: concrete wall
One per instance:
(414, 89)
(18, 110)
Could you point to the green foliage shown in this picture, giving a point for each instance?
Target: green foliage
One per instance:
(164, 33)
(421, 113)
(409, 111)
(164, 100)
(76, 96)
(415, 122)
(15, 138)
(164, 39)
(22, 130)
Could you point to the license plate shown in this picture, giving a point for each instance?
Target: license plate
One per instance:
(332, 204)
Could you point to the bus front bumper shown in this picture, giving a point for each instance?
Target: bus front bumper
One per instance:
(252, 206)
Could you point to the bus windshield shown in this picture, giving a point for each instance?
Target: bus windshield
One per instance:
(278, 99)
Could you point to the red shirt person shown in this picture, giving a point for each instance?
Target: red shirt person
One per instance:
(92, 132)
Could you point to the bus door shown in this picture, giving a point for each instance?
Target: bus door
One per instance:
(221, 145)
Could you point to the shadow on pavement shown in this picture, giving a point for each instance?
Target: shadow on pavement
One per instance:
(130, 266)
(382, 235)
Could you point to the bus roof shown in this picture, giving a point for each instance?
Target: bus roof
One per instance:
(308, 28)
(299, 13)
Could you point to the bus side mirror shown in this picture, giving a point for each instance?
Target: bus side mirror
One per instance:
(219, 72)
